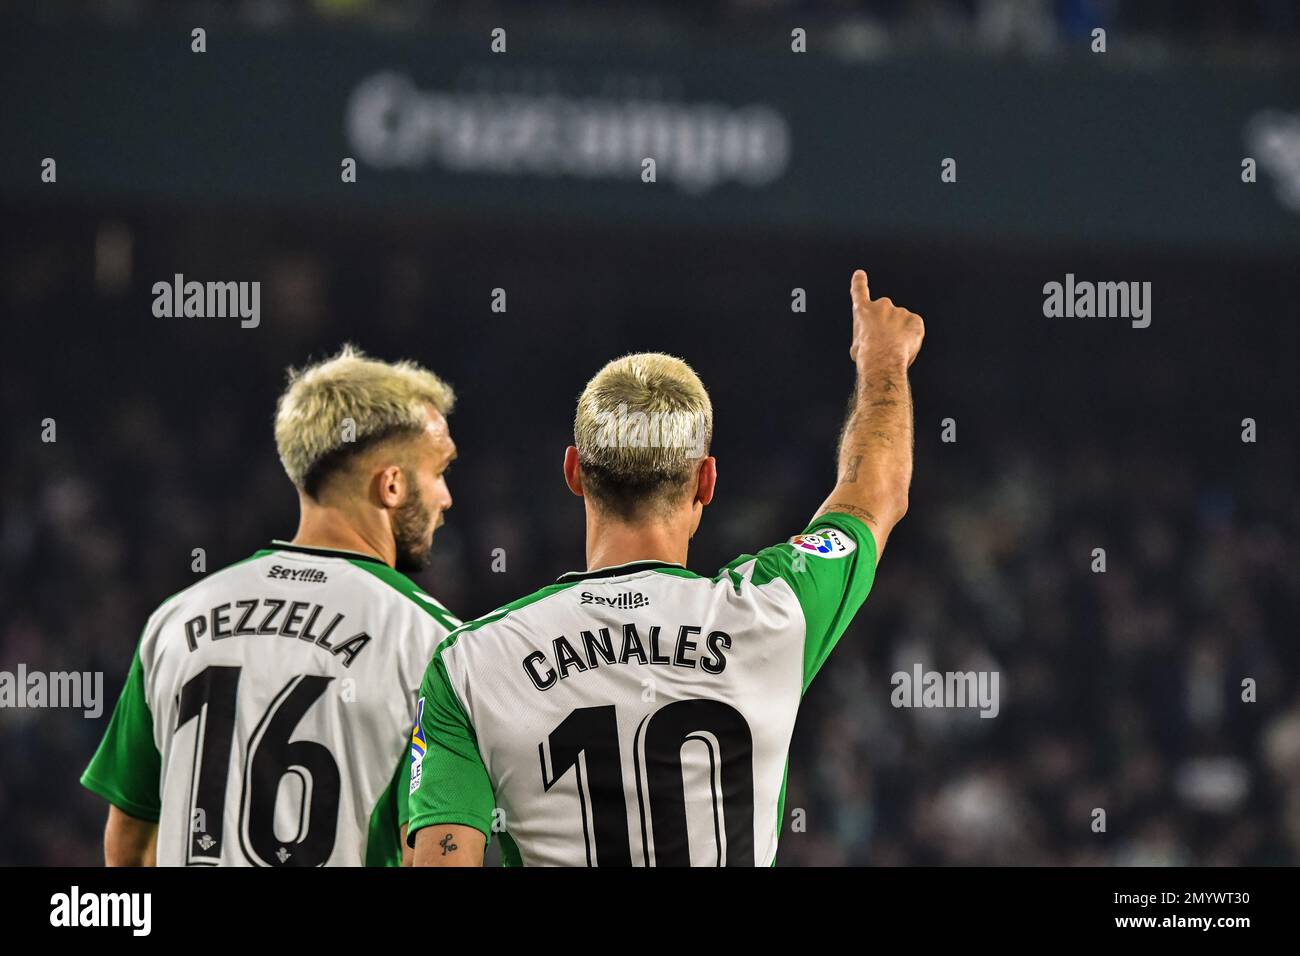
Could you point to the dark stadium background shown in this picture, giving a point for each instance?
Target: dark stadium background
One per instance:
(1119, 690)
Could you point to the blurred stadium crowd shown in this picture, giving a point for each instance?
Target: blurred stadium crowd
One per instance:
(1120, 691)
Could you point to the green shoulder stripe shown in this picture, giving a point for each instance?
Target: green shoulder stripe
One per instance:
(828, 578)
(523, 602)
(494, 616)
(252, 557)
(763, 573)
(405, 586)
(678, 573)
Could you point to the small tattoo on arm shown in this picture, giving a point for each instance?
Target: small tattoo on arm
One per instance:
(862, 514)
(447, 845)
(851, 469)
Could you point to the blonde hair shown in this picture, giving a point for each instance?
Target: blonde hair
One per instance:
(338, 407)
(643, 423)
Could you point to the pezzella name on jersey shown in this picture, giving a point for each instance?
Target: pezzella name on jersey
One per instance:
(271, 617)
(598, 649)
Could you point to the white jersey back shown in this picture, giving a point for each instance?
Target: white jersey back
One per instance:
(640, 714)
(267, 715)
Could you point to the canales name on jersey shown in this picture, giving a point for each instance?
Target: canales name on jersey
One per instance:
(641, 714)
(267, 712)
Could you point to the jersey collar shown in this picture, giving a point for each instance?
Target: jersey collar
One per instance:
(278, 545)
(617, 570)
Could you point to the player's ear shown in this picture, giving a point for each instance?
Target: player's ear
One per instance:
(706, 479)
(572, 474)
(390, 486)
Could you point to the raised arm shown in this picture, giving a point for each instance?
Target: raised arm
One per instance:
(875, 458)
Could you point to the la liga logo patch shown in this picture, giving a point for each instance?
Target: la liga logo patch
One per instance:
(418, 747)
(824, 543)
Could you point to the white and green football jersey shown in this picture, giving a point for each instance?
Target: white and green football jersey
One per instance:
(266, 717)
(636, 715)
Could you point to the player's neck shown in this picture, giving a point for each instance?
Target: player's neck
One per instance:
(611, 543)
(321, 526)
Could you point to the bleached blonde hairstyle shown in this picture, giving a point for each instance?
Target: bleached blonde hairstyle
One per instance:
(643, 424)
(334, 409)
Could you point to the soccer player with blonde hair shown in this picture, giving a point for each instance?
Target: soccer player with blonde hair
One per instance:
(267, 713)
(637, 713)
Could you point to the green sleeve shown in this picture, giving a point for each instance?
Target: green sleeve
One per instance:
(384, 837)
(384, 846)
(830, 567)
(449, 783)
(127, 768)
